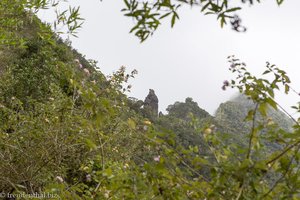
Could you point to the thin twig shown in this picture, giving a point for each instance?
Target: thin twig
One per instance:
(285, 173)
(283, 152)
(252, 131)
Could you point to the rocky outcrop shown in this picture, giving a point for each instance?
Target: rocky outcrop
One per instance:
(151, 105)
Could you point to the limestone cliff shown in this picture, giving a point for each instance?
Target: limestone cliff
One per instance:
(151, 105)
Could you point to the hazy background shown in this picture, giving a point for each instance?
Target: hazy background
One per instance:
(190, 59)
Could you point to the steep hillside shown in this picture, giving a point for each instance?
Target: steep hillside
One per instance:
(229, 122)
(56, 113)
(69, 132)
(185, 119)
(231, 116)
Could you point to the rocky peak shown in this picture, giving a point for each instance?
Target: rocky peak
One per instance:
(151, 104)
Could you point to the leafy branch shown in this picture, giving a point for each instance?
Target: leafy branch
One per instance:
(148, 14)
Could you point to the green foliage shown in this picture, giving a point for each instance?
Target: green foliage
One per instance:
(67, 130)
(183, 110)
(19, 16)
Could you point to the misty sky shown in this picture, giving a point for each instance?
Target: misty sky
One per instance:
(190, 59)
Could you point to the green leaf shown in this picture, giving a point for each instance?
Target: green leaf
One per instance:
(165, 15)
(131, 123)
(205, 6)
(90, 144)
(250, 115)
(263, 109)
(279, 2)
(108, 173)
(233, 9)
(266, 72)
(127, 4)
(272, 103)
(261, 165)
(286, 88)
(174, 17)
(245, 164)
(284, 162)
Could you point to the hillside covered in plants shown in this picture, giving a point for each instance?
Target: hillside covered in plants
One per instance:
(70, 132)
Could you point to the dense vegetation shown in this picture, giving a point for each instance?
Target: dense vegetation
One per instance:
(70, 132)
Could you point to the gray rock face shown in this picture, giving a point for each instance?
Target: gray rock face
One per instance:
(151, 104)
(231, 114)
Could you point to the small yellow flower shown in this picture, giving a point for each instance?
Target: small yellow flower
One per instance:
(147, 122)
(207, 131)
(86, 168)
